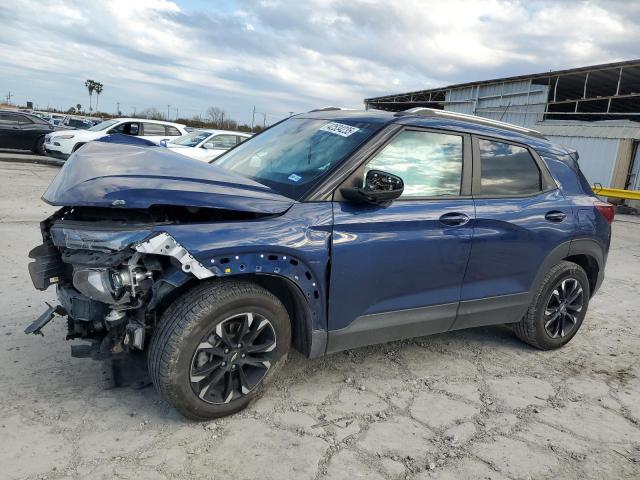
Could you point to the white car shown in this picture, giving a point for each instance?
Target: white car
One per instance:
(64, 143)
(205, 145)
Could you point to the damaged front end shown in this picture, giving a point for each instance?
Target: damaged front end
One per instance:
(108, 251)
(111, 275)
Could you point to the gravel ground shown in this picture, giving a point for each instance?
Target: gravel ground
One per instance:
(469, 404)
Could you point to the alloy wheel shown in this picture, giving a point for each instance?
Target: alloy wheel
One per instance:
(232, 360)
(563, 308)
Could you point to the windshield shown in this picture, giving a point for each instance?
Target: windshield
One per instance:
(191, 139)
(294, 155)
(103, 125)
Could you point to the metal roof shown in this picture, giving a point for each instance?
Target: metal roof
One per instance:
(602, 129)
(550, 73)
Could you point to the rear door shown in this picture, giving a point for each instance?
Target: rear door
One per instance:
(14, 132)
(8, 128)
(521, 217)
(397, 270)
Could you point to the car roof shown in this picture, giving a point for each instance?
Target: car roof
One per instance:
(148, 120)
(230, 132)
(440, 119)
(19, 112)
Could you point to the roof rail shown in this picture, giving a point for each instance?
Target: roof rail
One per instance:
(469, 118)
(328, 109)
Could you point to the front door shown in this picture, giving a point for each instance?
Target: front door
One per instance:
(397, 270)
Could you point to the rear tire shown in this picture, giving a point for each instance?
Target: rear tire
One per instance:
(558, 308)
(202, 358)
(39, 148)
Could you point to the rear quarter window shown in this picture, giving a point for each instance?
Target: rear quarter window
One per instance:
(507, 170)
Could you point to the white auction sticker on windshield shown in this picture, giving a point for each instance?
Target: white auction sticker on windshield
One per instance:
(339, 129)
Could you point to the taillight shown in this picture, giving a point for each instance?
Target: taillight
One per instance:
(607, 210)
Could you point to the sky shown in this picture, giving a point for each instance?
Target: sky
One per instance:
(291, 56)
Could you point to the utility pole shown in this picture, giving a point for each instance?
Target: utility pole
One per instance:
(176, 113)
(118, 108)
(264, 120)
(253, 117)
(168, 107)
(9, 95)
(134, 111)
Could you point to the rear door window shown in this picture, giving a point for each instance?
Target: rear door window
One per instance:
(153, 129)
(507, 170)
(172, 131)
(10, 118)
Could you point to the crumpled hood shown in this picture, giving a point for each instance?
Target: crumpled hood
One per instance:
(105, 175)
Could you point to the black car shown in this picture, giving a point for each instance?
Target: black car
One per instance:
(23, 131)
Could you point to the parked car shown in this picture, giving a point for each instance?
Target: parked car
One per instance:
(328, 231)
(55, 119)
(79, 123)
(63, 145)
(206, 145)
(23, 131)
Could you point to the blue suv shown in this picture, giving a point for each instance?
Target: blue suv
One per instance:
(328, 231)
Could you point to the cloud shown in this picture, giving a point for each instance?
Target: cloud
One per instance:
(292, 56)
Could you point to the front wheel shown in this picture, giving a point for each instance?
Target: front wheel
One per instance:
(558, 308)
(216, 346)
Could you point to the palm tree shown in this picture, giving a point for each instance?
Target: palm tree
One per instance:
(98, 88)
(79, 108)
(91, 85)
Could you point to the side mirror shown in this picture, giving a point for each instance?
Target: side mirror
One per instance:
(208, 146)
(380, 188)
(163, 142)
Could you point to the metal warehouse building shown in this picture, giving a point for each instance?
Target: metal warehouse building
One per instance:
(594, 110)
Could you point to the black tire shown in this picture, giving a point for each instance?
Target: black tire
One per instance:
(76, 147)
(39, 148)
(195, 316)
(531, 329)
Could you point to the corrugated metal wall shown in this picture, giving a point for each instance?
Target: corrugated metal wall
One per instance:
(597, 156)
(519, 103)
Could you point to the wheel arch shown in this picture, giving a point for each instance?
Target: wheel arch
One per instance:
(311, 343)
(590, 265)
(591, 256)
(297, 307)
(585, 252)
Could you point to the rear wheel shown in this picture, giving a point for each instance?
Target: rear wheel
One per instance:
(558, 308)
(216, 346)
(39, 148)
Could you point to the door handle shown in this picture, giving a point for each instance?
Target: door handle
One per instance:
(454, 219)
(555, 216)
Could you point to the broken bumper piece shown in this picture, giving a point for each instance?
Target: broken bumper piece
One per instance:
(45, 318)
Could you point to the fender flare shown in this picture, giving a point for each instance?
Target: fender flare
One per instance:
(581, 246)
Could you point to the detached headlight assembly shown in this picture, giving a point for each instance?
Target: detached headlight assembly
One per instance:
(101, 284)
(110, 286)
